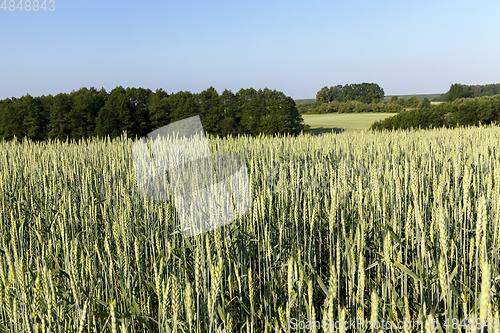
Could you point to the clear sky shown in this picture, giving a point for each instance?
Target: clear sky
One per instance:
(298, 47)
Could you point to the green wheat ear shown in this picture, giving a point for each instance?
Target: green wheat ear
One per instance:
(407, 227)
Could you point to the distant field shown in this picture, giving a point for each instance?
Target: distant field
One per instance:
(308, 100)
(338, 123)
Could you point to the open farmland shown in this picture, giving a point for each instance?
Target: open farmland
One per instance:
(340, 122)
(382, 226)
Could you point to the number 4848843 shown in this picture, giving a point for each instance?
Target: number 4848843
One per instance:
(28, 5)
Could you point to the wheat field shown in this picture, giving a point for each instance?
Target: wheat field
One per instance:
(388, 227)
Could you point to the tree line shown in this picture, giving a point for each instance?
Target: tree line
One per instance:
(411, 102)
(460, 112)
(348, 107)
(90, 112)
(362, 92)
(350, 98)
(458, 91)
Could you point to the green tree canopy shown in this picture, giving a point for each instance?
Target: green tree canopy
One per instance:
(59, 108)
(85, 106)
(36, 119)
(230, 123)
(159, 109)
(363, 92)
(426, 103)
(209, 105)
(137, 111)
(116, 114)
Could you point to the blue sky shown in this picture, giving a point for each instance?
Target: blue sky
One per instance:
(298, 47)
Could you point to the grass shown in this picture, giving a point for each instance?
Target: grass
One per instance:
(338, 123)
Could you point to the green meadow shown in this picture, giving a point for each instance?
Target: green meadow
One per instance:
(338, 123)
